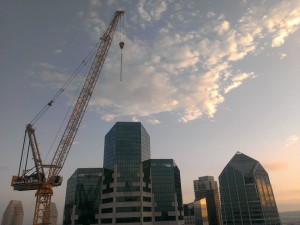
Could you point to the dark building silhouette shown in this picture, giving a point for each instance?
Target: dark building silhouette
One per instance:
(206, 187)
(246, 193)
(83, 196)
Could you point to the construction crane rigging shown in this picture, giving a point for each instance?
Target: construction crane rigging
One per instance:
(38, 179)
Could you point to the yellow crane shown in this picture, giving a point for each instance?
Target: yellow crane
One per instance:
(38, 179)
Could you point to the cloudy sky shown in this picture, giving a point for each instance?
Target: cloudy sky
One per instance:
(206, 78)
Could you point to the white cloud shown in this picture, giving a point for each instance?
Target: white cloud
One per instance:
(184, 72)
(292, 140)
(150, 11)
(210, 14)
(135, 119)
(283, 20)
(282, 56)
(237, 81)
(275, 165)
(153, 121)
(95, 3)
(222, 27)
(108, 117)
(58, 51)
(157, 11)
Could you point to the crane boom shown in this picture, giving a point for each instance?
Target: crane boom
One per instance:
(83, 99)
(37, 181)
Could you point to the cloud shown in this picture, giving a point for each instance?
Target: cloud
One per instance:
(150, 11)
(237, 81)
(188, 66)
(108, 117)
(222, 27)
(283, 20)
(58, 51)
(210, 14)
(153, 121)
(293, 139)
(282, 56)
(275, 165)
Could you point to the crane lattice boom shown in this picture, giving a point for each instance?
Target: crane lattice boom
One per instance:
(37, 180)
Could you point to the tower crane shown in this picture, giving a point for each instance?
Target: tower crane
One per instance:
(38, 180)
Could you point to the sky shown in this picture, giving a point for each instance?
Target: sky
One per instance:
(206, 79)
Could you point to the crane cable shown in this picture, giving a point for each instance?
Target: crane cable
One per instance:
(121, 44)
(67, 83)
(84, 62)
(88, 61)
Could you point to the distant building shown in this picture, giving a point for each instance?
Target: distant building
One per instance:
(83, 196)
(131, 184)
(195, 213)
(246, 193)
(13, 214)
(206, 187)
(53, 214)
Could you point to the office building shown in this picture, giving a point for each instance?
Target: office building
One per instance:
(207, 188)
(126, 146)
(130, 193)
(246, 193)
(83, 197)
(164, 176)
(53, 214)
(13, 214)
(195, 213)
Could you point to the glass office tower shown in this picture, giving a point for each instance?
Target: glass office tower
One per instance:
(83, 196)
(127, 144)
(135, 188)
(246, 193)
(206, 187)
(164, 176)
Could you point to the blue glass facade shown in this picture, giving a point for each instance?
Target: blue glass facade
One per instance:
(246, 193)
(127, 144)
(135, 188)
(83, 196)
(166, 189)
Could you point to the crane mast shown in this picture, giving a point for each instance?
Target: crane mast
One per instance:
(38, 181)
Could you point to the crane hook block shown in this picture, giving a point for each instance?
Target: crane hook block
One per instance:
(121, 44)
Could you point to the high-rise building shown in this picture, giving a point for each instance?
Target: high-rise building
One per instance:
(164, 176)
(13, 214)
(53, 214)
(129, 194)
(206, 187)
(246, 193)
(195, 213)
(83, 196)
(127, 144)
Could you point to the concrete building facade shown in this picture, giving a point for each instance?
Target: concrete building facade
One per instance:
(53, 214)
(13, 214)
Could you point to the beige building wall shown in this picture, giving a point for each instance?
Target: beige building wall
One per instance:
(13, 215)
